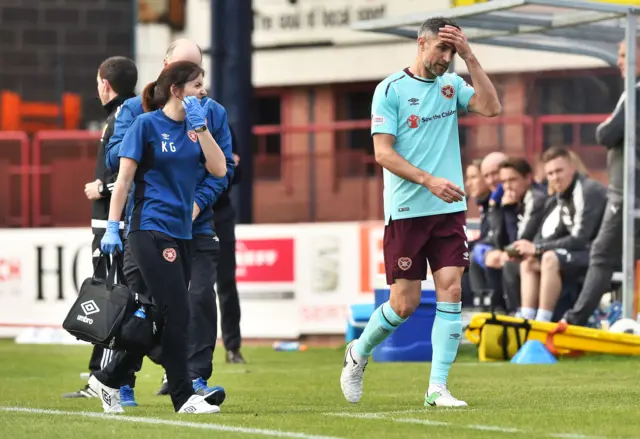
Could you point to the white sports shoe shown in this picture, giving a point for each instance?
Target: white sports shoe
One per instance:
(198, 406)
(352, 375)
(439, 396)
(110, 397)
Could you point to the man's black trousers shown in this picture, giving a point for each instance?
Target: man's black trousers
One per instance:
(100, 357)
(164, 265)
(203, 325)
(225, 225)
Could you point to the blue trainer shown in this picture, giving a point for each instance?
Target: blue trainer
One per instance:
(213, 395)
(127, 397)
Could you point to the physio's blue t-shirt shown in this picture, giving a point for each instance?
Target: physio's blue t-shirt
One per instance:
(164, 183)
(208, 186)
(422, 114)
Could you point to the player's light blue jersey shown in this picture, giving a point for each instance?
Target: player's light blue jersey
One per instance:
(423, 116)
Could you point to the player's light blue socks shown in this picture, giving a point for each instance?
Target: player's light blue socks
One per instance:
(445, 339)
(382, 323)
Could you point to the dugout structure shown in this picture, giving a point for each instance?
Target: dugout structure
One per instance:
(579, 27)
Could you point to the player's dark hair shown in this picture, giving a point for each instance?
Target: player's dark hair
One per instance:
(432, 25)
(518, 164)
(122, 74)
(555, 152)
(157, 93)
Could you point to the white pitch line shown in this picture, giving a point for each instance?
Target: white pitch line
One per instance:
(385, 417)
(157, 421)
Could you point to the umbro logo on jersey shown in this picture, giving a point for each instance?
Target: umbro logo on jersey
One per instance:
(414, 101)
(165, 136)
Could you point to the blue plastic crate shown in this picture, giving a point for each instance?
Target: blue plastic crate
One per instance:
(412, 340)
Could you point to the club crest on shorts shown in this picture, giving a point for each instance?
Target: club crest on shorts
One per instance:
(169, 254)
(193, 136)
(404, 263)
(447, 91)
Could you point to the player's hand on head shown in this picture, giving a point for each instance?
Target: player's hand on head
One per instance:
(445, 190)
(195, 113)
(457, 38)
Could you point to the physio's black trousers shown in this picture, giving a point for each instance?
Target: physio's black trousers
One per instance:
(203, 324)
(164, 265)
(225, 223)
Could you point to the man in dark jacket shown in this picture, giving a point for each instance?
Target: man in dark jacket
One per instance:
(486, 282)
(518, 217)
(606, 252)
(117, 78)
(559, 254)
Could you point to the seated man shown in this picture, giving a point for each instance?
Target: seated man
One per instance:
(477, 189)
(518, 217)
(485, 281)
(559, 253)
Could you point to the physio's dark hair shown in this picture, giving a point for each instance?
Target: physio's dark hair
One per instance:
(518, 164)
(157, 93)
(432, 26)
(121, 73)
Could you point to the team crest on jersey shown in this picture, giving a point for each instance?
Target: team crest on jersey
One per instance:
(413, 121)
(193, 136)
(447, 91)
(169, 254)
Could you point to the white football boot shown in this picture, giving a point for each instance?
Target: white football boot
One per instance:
(351, 379)
(439, 396)
(110, 397)
(198, 406)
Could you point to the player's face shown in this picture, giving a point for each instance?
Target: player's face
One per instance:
(436, 55)
(559, 174)
(195, 88)
(512, 181)
(474, 183)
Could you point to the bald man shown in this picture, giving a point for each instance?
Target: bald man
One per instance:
(486, 281)
(490, 169)
(203, 324)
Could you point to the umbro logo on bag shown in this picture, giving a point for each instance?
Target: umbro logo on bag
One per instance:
(89, 307)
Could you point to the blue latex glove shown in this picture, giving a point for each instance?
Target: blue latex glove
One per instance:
(479, 250)
(196, 115)
(496, 195)
(111, 240)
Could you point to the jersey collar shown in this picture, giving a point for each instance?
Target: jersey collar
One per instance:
(417, 78)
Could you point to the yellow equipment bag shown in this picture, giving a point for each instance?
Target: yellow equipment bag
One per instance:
(498, 339)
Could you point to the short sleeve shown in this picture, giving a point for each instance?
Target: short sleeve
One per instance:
(384, 110)
(464, 91)
(133, 142)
